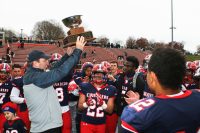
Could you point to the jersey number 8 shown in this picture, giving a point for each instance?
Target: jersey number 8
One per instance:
(59, 92)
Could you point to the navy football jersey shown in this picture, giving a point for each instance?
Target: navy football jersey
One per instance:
(15, 126)
(190, 86)
(110, 82)
(62, 92)
(164, 114)
(147, 92)
(125, 84)
(5, 90)
(95, 114)
(19, 84)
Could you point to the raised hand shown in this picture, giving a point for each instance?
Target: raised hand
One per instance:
(80, 42)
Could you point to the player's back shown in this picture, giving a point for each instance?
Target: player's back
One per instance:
(61, 91)
(164, 114)
(5, 90)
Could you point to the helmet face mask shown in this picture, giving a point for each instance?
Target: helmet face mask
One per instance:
(99, 78)
(4, 71)
(99, 74)
(55, 57)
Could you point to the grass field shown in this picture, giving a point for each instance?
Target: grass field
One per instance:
(192, 57)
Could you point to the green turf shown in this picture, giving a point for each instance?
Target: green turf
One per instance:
(192, 57)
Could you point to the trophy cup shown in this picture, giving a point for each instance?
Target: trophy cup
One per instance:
(73, 23)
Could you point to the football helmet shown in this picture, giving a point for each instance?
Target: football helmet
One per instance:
(106, 64)
(73, 88)
(86, 65)
(146, 61)
(4, 67)
(55, 57)
(141, 69)
(99, 68)
(4, 71)
(191, 66)
(197, 63)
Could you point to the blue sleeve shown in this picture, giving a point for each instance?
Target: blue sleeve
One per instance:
(78, 80)
(130, 120)
(139, 116)
(83, 88)
(46, 79)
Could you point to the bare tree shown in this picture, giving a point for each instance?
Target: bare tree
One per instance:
(142, 42)
(48, 30)
(159, 45)
(118, 43)
(130, 43)
(103, 40)
(177, 45)
(9, 34)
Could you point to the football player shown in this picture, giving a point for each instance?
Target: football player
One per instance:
(5, 88)
(96, 98)
(61, 88)
(17, 95)
(172, 110)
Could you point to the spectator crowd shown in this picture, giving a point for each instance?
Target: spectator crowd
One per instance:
(50, 95)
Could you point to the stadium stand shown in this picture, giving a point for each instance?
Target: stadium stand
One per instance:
(102, 54)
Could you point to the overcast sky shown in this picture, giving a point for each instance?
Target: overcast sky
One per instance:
(115, 19)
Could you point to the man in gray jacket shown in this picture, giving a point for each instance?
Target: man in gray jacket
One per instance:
(42, 101)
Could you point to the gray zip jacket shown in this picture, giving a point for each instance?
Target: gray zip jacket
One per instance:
(41, 98)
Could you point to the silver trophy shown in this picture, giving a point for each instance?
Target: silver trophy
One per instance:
(73, 23)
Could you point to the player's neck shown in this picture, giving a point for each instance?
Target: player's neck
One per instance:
(114, 72)
(98, 85)
(167, 91)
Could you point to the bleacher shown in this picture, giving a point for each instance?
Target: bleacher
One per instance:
(101, 54)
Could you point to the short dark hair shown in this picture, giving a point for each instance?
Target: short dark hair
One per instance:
(134, 60)
(114, 62)
(16, 66)
(169, 66)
